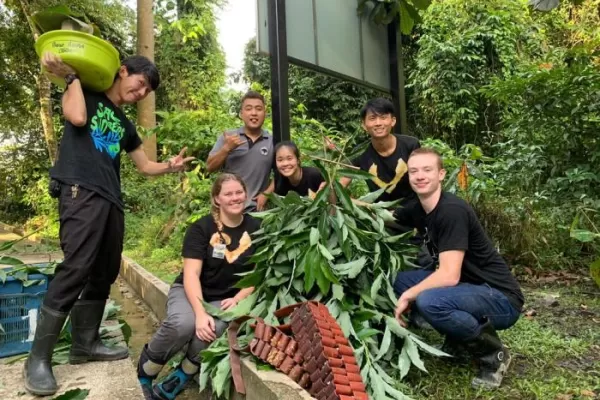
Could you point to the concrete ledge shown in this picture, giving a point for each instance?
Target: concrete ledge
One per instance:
(151, 289)
(260, 385)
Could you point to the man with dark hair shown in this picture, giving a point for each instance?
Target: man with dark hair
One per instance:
(385, 158)
(86, 180)
(472, 293)
(387, 154)
(247, 151)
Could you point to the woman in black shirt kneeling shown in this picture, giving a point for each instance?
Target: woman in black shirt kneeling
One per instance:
(292, 175)
(216, 248)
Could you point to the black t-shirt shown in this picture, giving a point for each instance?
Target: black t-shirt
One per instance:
(311, 179)
(218, 275)
(453, 225)
(391, 171)
(90, 155)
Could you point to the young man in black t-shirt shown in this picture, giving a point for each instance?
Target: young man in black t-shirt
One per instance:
(387, 154)
(472, 293)
(386, 159)
(86, 180)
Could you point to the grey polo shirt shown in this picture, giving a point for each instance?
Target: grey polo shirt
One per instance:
(251, 161)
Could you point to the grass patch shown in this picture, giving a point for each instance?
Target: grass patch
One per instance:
(555, 356)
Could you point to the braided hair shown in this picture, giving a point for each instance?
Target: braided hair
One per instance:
(215, 210)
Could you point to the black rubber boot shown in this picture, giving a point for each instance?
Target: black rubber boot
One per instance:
(86, 317)
(493, 358)
(457, 350)
(147, 371)
(37, 373)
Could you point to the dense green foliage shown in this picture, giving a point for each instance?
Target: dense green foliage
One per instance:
(510, 91)
(334, 102)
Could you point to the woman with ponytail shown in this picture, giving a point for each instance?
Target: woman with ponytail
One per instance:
(215, 249)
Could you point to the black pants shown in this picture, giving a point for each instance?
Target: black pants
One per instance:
(91, 237)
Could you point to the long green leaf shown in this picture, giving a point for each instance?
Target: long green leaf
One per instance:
(6, 260)
(345, 323)
(314, 236)
(377, 384)
(322, 281)
(371, 196)
(429, 348)
(385, 343)
(355, 174)
(406, 20)
(366, 333)
(396, 328)
(310, 274)
(342, 194)
(352, 268)
(73, 394)
(325, 252)
(376, 286)
(221, 375)
(321, 196)
(413, 353)
(403, 362)
(338, 292)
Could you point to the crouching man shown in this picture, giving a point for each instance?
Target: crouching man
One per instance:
(472, 293)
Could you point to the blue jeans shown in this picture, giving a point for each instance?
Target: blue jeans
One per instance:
(459, 311)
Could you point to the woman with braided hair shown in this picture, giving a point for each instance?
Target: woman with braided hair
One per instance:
(215, 249)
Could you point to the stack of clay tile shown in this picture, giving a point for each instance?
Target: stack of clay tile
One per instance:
(318, 357)
(273, 346)
(328, 357)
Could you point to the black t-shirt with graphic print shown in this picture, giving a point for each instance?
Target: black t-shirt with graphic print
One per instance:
(453, 225)
(218, 275)
(311, 179)
(90, 155)
(390, 171)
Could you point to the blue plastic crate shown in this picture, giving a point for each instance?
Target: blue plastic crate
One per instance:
(19, 309)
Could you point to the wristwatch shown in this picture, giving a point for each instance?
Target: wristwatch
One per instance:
(70, 78)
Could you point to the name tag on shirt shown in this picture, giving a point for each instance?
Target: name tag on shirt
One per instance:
(219, 251)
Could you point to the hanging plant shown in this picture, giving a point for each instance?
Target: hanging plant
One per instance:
(62, 18)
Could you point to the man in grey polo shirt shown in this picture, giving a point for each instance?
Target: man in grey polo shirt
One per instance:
(247, 152)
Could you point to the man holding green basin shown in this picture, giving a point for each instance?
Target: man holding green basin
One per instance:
(86, 181)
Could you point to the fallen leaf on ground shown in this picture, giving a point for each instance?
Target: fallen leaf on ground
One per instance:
(564, 397)
(583, 307)
(588, 393)
(530, 313)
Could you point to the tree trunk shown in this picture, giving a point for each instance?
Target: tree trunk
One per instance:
(145, 47)
(44, 91)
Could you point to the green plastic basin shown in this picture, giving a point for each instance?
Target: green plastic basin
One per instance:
(95, 60)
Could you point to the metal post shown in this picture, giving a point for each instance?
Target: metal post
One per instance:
(397, 76)
(280, 105)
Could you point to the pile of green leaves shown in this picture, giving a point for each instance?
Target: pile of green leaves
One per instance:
(336, 251)
(19, 270)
